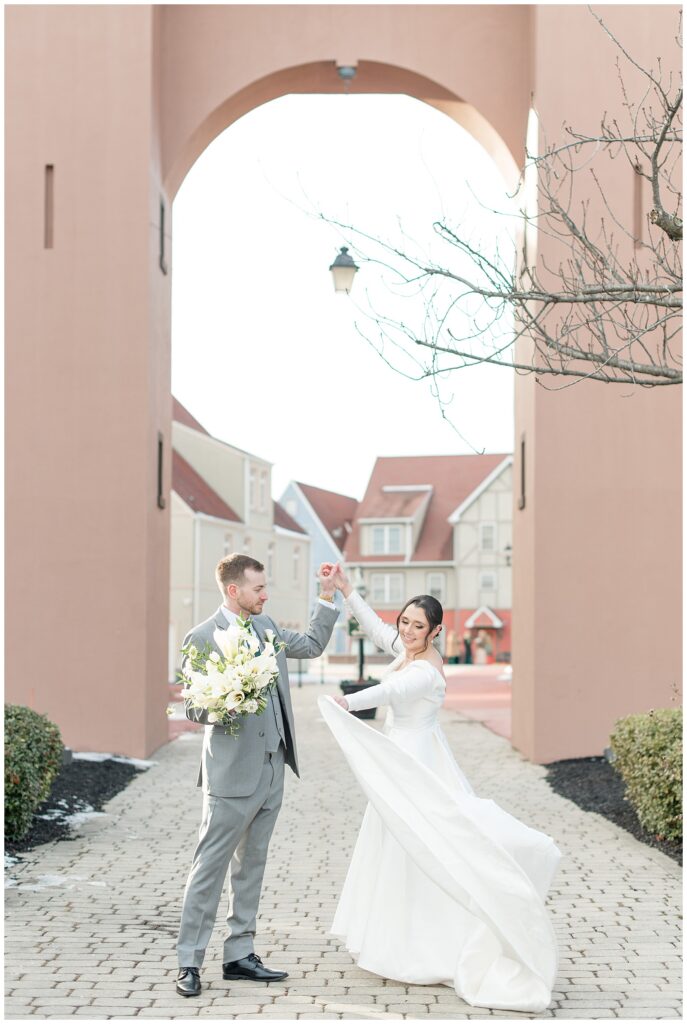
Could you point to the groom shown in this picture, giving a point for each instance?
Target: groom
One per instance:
(242, 777)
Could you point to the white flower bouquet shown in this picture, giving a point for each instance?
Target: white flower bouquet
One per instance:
(235, 682)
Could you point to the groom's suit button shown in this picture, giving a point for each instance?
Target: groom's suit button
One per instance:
(261, 734)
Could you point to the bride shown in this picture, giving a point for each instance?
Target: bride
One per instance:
(444, 887)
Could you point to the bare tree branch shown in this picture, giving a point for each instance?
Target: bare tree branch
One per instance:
(606, 303)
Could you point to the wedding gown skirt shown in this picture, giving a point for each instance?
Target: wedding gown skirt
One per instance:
(443, 887)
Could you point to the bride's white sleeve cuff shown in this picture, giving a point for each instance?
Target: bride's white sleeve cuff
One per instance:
(370, 697)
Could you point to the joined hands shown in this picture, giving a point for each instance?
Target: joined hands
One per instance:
(332, 578)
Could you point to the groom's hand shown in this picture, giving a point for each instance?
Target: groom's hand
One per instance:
(341, 580)
(325, 575)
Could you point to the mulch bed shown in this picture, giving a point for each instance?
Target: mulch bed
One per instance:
(81, 786)
(594, 785)
(590, 782)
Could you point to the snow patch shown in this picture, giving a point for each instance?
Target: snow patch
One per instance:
(51, 882)
(81, 817)
(76, 818)
(94, 756)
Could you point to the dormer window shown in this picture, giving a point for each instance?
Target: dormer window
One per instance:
(387, 540)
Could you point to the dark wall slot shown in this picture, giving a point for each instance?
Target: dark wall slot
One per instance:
(163, 261)
(637, 206)
(49, 207)
(521, 500)
(161, 503)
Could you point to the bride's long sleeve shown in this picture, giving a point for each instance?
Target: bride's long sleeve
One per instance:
(418, 680)
(379, 632)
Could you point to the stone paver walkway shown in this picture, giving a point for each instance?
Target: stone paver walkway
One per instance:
(91, 924)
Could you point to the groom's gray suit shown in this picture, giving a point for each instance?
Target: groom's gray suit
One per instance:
(242, 778)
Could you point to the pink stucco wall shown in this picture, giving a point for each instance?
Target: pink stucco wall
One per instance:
(597, 550)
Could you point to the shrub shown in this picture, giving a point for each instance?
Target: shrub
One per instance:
(648, 755)
(33, 757)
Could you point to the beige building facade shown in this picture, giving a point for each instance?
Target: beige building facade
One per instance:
(439, 525)
(483, 542)
(107, 107)
(210, 481)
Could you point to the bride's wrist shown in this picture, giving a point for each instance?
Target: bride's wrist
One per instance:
(347, 590)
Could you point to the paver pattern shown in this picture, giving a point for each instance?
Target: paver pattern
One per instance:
(91, 924)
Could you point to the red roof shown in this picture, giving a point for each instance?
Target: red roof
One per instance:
(182, 415)
(283, 519)
(333, 510)
(453, 479)
(395, 504)
(192, 489)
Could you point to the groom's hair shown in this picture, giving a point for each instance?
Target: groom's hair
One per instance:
(232, 569)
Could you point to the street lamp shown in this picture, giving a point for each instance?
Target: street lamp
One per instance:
(343, 271)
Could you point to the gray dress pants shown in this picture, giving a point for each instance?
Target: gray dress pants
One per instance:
(234, 834)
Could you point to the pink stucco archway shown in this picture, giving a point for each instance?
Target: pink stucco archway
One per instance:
(321, 77)
(107, 108)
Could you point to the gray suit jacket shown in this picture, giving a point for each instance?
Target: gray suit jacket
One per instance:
(232, 765)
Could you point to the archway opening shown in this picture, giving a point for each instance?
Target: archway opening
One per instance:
(265, 356)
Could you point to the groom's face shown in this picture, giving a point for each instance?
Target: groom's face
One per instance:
(251, 592)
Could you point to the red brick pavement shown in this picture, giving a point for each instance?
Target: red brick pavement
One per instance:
(478, 692)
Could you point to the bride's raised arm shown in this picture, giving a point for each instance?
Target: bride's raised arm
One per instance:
(379, 632)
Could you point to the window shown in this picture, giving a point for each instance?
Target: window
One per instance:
(228, 541)
(487, 581)
(487, 536)
(251, 491)
(263, 491)
(296, 563)
(387, 540)
(386, 588)
(246, 545)
(436, 585)
(270, 561)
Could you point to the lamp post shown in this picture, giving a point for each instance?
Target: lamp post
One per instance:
(348, 686)
(343, 271)
(362, 590)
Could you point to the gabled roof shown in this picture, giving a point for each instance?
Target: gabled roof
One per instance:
(335, 511)
(182, 415)
(484, 618)
(198, 494)
(283, 519)
(488, 480)
(452, 478)
(396, 504)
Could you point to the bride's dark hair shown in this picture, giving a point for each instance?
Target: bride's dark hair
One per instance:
(432, 609)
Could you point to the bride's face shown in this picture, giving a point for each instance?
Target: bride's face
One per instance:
(413, 628)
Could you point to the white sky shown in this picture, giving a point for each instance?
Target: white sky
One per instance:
(265, 354)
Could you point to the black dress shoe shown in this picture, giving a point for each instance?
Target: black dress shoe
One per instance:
(251, 968)
(188, 981)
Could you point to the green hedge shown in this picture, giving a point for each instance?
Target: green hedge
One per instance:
(648, 755)
(33, 757)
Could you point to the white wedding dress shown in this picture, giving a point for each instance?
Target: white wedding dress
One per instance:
(443, 887)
